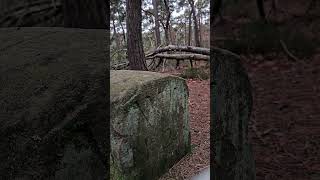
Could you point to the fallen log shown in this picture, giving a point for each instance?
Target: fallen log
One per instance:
(156, 54)
(192, 49)
(181, 56)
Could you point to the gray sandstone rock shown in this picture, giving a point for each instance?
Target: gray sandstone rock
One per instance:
(52, 104)
(231, 110)
(149, 124)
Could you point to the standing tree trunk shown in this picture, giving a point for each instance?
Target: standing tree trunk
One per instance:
(167, 28)
(89, 14)
(261, 11)
(123, 32)
(134, 39)
(156, 22)
(185, 31)
(195, 22)
(121, 19)
(190, 30)
(215, 9)
(189, 34)
(200, 27)
(115, 35)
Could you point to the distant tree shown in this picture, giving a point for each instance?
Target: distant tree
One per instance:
(195, 22)
(261, 10)
(201, 5)
(167, 24)
(189, 29)
(117, 8)
(215, 9)
(89, 14)
(156, 22)
(134, 39)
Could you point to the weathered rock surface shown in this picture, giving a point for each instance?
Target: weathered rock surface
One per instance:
(231, 110)
(149, 124)
(52, 104)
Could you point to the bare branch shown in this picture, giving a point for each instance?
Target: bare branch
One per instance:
(285, 48)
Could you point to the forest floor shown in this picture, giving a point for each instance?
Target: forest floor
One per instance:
(284, 128)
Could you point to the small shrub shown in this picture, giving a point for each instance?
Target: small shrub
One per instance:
(195, 73)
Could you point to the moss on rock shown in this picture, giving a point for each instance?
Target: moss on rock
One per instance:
(149, 123)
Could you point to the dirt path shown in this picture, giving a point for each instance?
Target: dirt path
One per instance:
(285, 128)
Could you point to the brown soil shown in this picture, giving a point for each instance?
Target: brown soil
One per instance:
(285, 129)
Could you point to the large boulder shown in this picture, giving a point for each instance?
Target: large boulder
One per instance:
(231, 109)
(149, 123)
(53, 104)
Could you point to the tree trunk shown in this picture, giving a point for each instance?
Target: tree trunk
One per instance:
(123, 32)
(185, 32)
(231, 109)
(121, 25)
(134, 38)
(156, 22)
(195, 22)
(167, 26)
(89, 14)
(190, 29)
(261, 11)
(200, 27)
(115, 34)
(214, 11)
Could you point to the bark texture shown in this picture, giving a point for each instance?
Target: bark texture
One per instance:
(134, 36)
